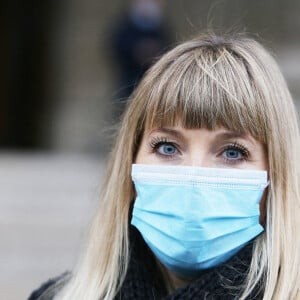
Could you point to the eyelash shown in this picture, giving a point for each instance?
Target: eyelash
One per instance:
(156, 142)
(239, 147)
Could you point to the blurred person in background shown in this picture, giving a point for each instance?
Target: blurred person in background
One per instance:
(139, 37)
(201, 196)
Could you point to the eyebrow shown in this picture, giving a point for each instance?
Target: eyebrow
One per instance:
(225, 134)
(177, 133)
(173, 132)
(232, 134)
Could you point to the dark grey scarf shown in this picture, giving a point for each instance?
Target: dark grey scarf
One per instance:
(144, 280)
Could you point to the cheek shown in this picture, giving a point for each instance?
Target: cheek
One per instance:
(137, 156)
(145, 153)
(141, 156)
(264, 162)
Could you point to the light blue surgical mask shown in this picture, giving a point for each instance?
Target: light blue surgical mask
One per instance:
(196, 218)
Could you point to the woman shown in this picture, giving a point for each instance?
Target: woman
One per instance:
(210, 140)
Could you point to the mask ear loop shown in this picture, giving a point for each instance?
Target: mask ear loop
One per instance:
(263, 206)
(130, 211)
(132, 201)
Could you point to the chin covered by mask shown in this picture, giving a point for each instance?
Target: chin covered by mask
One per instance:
(196, 218)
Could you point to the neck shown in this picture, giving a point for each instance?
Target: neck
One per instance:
(172, 281)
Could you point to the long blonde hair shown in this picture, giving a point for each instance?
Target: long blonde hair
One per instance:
(206, 82)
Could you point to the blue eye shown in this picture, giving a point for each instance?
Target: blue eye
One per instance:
(166, 149)
(235, 152)
(163, 147)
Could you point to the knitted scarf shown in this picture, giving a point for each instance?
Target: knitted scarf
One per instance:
(144, 280)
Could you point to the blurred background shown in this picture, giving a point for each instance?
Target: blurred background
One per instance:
(67, 68)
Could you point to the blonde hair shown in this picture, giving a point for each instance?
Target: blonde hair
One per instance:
(206, 82)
